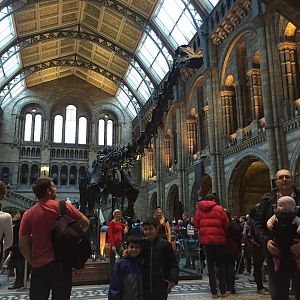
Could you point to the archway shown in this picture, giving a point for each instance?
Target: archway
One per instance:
(206, 188)
(249, 182)
(174, 206)
(152, 204)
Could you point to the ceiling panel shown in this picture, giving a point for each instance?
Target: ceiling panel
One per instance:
(91, 17)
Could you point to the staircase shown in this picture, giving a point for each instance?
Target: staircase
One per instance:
(17, 201)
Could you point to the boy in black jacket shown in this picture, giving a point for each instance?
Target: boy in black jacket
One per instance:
(160, 272)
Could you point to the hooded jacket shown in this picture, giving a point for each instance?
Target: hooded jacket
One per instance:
(126, 280)
(212, 222)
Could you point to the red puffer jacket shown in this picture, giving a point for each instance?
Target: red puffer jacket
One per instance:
(212, 222)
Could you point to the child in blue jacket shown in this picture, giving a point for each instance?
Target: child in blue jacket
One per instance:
(126, 280)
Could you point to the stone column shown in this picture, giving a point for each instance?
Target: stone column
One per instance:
(46, 130)
(216, 138)
(191, 139)
(167, 154)
(289, 74)
(239, 87)
(160, 166)
(276, 91)
(211, 131)
(21, 129)
(17, 129)
(256, 94)
(182, 151)
(227, 109)
(94, 138)
(265, 61)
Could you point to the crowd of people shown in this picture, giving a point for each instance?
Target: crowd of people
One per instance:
(145, 259)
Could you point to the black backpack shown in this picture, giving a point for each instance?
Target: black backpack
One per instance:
(71, 246)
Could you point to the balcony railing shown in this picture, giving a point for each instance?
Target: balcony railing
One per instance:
(18, 200)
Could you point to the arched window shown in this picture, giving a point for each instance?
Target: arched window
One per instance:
(81, 174)
(58, 126)
(24, 174)
(37, 128)
(34, 173)
(105, 131)
(73, 175)
(82, 130)
(54, 174)
(64, 175)
(33, 126)
(70, 126)
(101, 132)
(109, 133)
(5, 174)
(28, 126)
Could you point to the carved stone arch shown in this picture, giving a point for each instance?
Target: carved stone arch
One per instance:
(172, 108)
(248, 179)
(230, 44)
(63, 99)
(27, 101)
(281, 23)
(254, 153)
(193, 85)
(121, 118)
(173, 208)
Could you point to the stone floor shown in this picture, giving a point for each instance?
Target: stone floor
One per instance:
(186, 290)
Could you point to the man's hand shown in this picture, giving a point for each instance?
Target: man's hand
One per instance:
(171, 284)
(272, 249)
(295, 249)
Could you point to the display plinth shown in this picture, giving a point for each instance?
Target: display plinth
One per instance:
(94, 272)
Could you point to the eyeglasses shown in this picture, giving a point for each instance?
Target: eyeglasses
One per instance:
(284, 177)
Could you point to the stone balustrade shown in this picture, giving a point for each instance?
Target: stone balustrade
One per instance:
(16, 200)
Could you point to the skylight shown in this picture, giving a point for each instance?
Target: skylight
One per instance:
(7, 32)
(214, 2)
(155, 59)
(126, 102)
(139, 82)
(9, 63)
(178, 20)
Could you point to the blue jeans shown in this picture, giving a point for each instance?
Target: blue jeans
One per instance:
(53, 276)
(215, 265)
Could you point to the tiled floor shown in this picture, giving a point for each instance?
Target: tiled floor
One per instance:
(186, 290)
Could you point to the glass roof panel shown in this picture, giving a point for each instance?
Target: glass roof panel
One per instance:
(7, 32)
(131, 109)
(10, 66)
(174, 17)
(214, 2)
(125, 101)
(136, 80)
(150, 53)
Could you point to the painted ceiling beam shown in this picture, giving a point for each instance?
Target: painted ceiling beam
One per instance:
(71, 61)
(140, 20)
(96, 38)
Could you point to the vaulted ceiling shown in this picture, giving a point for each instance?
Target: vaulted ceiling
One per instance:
(98, 33)
(96, 40)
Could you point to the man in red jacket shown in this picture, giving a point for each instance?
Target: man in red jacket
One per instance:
(212, 223)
